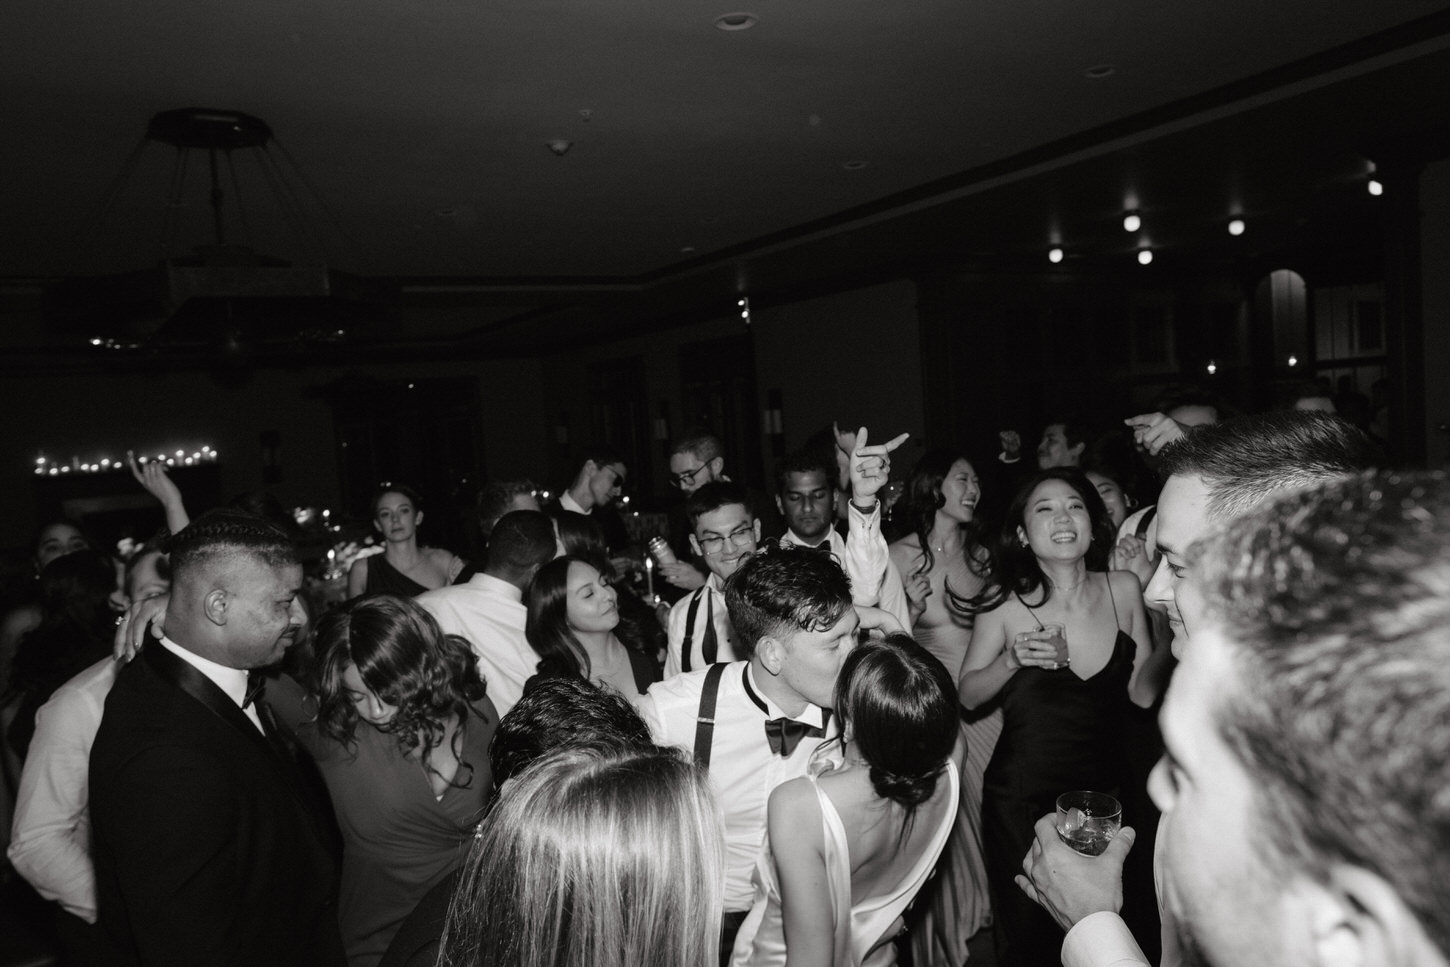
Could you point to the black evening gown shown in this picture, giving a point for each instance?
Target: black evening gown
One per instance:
(1059, 733)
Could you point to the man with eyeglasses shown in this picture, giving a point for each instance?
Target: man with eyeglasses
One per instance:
(725, 532)
(698, 460)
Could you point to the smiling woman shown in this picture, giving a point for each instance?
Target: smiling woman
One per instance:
(400, 729)
(573, 624)
(1059, 644)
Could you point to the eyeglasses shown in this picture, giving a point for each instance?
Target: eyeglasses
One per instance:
(683, 480)
(739, 537)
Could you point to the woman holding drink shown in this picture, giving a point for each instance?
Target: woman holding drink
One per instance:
(1059, 639)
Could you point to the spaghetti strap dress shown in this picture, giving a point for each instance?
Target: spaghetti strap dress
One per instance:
(863, 931)
(1059, 733)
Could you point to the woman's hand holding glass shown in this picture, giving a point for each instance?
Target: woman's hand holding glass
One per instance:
(1044, 647)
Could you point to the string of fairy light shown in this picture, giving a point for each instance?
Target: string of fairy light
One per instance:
(52, 467)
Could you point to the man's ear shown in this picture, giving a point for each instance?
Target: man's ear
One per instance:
(1076, 452)
(756, 524)
(779, 504)
(590, 468)
(695, 546)
(215, 606)
(1358, 920)
(417, 517)
(771, 651)
(716, 465)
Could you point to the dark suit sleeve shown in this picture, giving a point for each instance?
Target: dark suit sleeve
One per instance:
(179, 861)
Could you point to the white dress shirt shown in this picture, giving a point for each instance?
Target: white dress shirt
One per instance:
(50, 844)
(567, 501)
(233, 681)
(712, 603)
(1103, 940)
(875, 581)
(489, 613)
(743, 770)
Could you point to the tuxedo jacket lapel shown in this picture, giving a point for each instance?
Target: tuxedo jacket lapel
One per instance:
(191, 681)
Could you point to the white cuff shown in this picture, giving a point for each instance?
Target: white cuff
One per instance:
(1101, 939)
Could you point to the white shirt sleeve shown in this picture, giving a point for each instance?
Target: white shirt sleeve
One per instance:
(1101, 940)
(867, 557)
(50, 841)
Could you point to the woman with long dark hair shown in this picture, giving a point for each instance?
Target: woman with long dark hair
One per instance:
(399, 729)
(573, 620)
(849, 845)
(1059, 641)
(942, 558)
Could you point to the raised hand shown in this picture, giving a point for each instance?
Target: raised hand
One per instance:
(1154, 431)
(871, 467)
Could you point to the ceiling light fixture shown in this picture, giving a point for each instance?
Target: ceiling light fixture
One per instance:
(736, 21)
(1375, 188)
(1212, 367)
(1236, 227)
(1054, 255)
(1132, 222)
(1145, 256)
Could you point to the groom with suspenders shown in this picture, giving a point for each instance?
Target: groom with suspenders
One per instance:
(753, 724)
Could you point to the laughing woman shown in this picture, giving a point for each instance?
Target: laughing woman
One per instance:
(1063, 696)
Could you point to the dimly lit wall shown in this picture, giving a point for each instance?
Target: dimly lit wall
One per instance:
(1435, 282)
(102, 416)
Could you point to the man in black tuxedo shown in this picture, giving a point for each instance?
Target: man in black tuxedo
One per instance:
(207, 849)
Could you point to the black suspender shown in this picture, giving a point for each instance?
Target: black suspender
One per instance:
(690, 630)
(709, 641)
(705, 721)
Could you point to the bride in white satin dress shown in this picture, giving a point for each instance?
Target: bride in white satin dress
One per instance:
(850, 845)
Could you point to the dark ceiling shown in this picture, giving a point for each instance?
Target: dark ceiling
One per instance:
(829, 142)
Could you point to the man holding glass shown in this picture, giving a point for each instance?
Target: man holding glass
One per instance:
(1214, 474)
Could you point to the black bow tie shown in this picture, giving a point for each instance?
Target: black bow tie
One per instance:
(256, 687)
(785, 734)
(823, 548)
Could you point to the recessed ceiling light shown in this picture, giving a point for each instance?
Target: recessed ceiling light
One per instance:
(1375, 188)
(736, 21)
(854, 165)
(1098, 71)
(1145, 256)
(1236, 227)
(1132, 222)
(1054, 255)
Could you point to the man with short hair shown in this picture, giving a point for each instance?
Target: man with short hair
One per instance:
(695, 461)
(725, 533)
(807, 502)
(1304, 792)
(597, 484)
(754, 723)
(1214, 474)
(489, 612)
(206, 846)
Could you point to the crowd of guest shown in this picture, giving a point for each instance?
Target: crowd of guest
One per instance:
(838, 739)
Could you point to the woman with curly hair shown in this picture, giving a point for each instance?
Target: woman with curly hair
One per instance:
(400, 729)
(849, 845)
